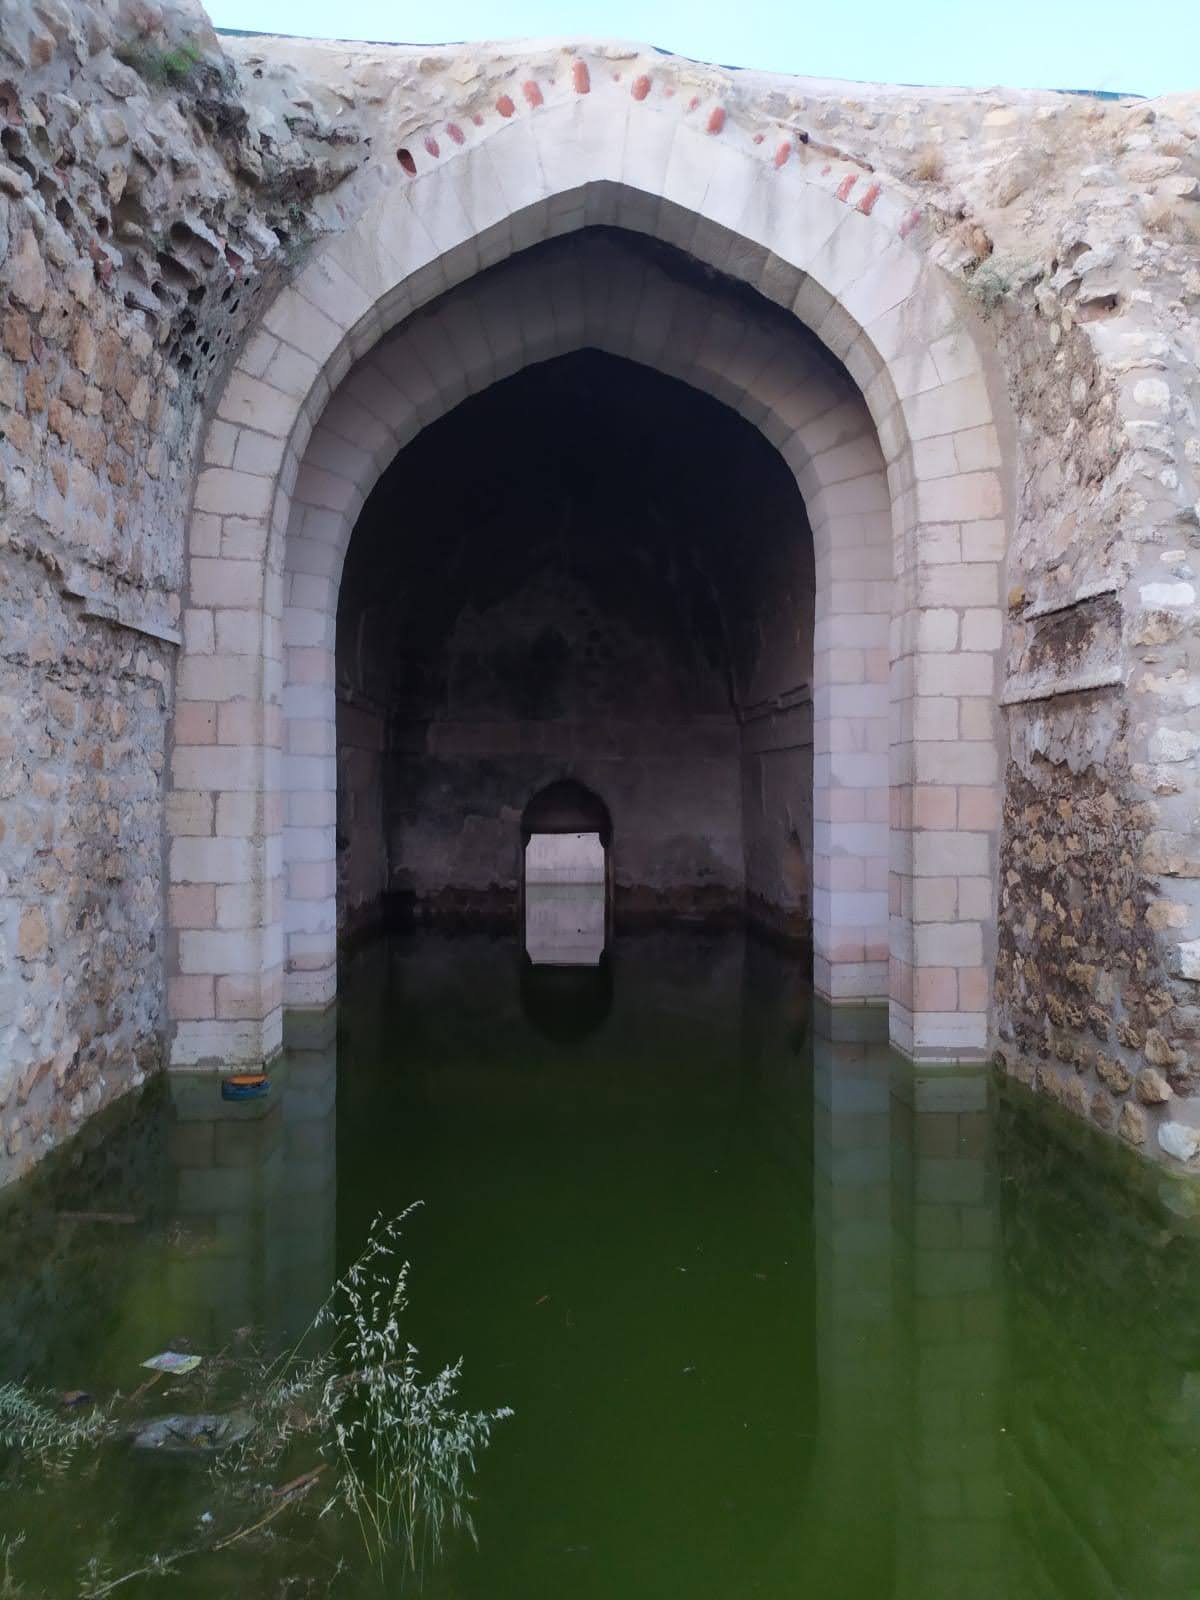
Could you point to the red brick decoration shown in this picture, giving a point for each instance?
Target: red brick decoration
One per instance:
(581, 80)
(867, 204)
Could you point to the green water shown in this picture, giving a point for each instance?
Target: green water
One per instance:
(777, 1314)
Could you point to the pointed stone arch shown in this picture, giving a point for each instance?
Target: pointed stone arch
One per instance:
(813, 234)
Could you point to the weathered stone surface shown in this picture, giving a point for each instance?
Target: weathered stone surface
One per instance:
(1113, 1074)
(1152, 1088)
(1103, 1110)
(118, 307)
(1157, 1051)
(33, 936)
(1132, 1123)
(27, 273)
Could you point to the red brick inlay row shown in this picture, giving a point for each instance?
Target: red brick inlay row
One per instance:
(867, 204)
(581, 78)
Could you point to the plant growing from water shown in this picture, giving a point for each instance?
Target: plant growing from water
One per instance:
(400, 1449)
(34, 1424)
(387, 1448)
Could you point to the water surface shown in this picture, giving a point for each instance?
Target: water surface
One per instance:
(776, 1313)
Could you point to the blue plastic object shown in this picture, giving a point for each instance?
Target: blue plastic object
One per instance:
(245, 1086)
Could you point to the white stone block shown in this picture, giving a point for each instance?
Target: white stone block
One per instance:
(949, 408)
(1179, 1140)
(231, 952)
(943, 853)
(219, 860)
(948, 944)
(1168, 596)
(967, 497)
(251, 403)
(238, 768)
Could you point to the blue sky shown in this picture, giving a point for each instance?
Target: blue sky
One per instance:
(1147, 47)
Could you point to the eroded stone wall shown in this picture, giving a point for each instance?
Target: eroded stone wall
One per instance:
(1098, 331)
(145, 214)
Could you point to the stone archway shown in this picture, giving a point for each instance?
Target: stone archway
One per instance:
(810, 233)
(815, 417)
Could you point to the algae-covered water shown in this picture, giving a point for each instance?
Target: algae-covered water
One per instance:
(777, 1314)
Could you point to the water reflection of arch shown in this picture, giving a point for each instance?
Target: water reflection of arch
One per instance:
(566, 1003)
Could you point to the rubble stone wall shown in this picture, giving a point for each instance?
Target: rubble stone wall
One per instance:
(145, 215)
(158, 185)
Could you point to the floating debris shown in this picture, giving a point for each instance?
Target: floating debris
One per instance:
(198, 1435)
(173, 1361)
(245, 1086)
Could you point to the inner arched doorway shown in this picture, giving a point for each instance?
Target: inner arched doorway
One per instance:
(611, 577)
(566, 806)
(566, 876)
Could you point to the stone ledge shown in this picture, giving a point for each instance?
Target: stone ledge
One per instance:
(1087, 591)
(1018, 694)
(108, 608)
